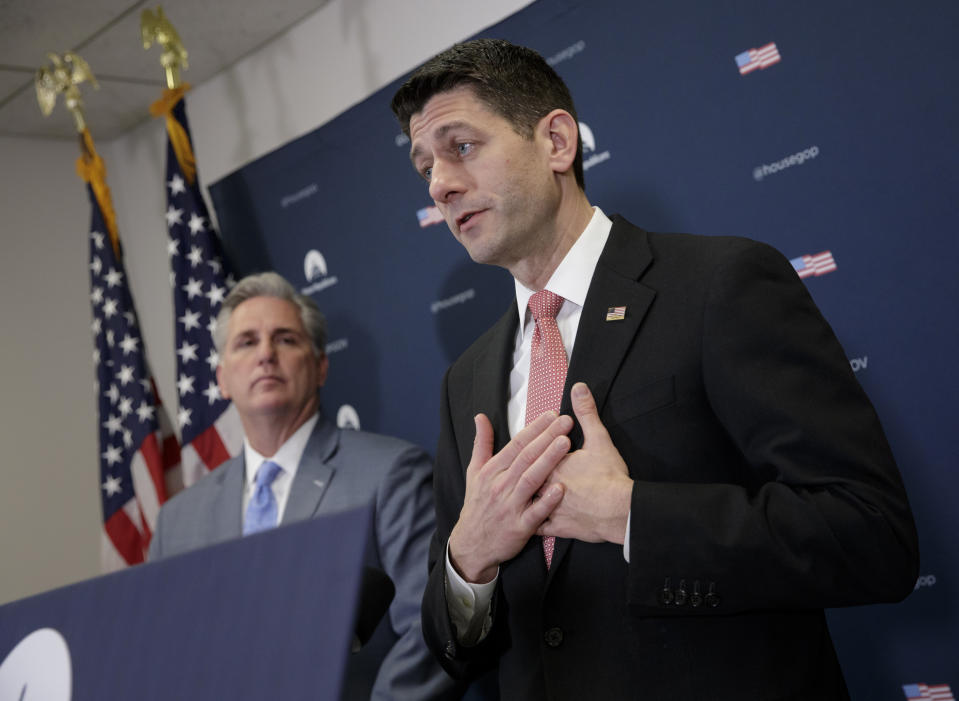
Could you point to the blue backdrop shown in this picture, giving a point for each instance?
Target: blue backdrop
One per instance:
(845, 144)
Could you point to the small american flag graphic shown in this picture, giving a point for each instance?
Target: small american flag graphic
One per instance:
(814, 266)
(763, 57)
(615, 313)
(936, 692)
(429, 216)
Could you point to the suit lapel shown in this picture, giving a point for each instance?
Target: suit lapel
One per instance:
(227, 511)
(602, 345)
(313, 475)
(491, 371)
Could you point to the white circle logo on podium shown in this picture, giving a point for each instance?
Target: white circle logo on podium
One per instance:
(38, 667)
(347, 417)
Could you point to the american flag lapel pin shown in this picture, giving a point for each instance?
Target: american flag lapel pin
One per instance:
(615, 313)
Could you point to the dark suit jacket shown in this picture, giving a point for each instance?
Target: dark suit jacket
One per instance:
(339, 470)
(764, 490)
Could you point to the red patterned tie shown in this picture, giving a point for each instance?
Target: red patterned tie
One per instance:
(547, 370)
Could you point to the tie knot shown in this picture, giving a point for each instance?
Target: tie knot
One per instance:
(545, 304)
(267, 473)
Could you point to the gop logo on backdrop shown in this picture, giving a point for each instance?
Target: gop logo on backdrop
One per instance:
(590, 156)
(347, 418)
(314, 269)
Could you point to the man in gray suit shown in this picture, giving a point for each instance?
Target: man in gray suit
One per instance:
(297, 465)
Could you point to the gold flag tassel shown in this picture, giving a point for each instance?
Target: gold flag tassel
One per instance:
(92, 170)
(178, 136)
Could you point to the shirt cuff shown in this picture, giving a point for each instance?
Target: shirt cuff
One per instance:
(629, 517)
(468, 604)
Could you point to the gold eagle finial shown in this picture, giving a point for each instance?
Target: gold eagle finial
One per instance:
(63, 75)
(156, 27)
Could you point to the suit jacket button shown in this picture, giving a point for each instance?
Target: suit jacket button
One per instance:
(666, 595)
(553, 637)
(696, 599)
(712, 598)
(681, 593)
(450, 650)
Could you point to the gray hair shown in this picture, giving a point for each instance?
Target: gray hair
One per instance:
(271, 285)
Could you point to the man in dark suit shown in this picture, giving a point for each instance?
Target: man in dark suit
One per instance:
(272, 362)
(724, 479)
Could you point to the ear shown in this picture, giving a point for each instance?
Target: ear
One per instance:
(563, 132)
(219, 381)
(322, 368)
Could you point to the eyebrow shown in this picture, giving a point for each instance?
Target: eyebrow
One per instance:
(440, 133)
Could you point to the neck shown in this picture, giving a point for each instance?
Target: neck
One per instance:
(268, 432)
(570, 220)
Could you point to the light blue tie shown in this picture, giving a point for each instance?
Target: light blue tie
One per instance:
(261, 511)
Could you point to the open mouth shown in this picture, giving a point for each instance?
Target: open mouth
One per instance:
(465, 218)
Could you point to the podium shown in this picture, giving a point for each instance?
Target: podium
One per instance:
(268, 616)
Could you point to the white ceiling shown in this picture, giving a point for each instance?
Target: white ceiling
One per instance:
(106, 33)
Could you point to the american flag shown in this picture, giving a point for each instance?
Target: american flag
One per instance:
(814, 266)
(138, 451)
(429, 216)
(763, 57)
(615, 313)
(938, 692)
(210, 430)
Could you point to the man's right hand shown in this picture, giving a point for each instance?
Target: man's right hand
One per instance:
(501, 510)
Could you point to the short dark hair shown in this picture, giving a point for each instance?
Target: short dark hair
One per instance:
(513, 81)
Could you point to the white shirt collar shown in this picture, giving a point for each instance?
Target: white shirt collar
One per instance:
(571, 278)
(287, 457)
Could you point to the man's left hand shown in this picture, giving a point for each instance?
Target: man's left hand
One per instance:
(596, 483)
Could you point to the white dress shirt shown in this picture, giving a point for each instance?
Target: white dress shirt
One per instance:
(469, 603)
(287, 457)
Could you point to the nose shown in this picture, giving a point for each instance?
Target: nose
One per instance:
(266, 351)
(445, 181)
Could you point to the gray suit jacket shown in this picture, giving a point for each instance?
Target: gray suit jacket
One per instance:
(341, 469)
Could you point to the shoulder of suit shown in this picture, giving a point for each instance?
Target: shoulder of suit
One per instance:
(377, 442)
(203, 486)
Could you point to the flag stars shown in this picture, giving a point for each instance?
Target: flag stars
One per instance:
(112, 455)
(190, 320)
(177, 185)
(125, 407)
(96, 325)
(113, 424)
(195, 256)
(184, 385)
(173, 247)
(109, 307)
(183, 417)
(128, 315)
(213, 359)
(111, 485)
(127, 438)
(125, 376)
(113, 393)
(187, 351)
(215, 265)
(212, 392)
(193, 288)
(129, 344)
(145, 411)
(173, 216)
(196, 224)
(146, 385)
(97, 239)
(114, 277)
(96, 295)
(216, 295)
(96, 265)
